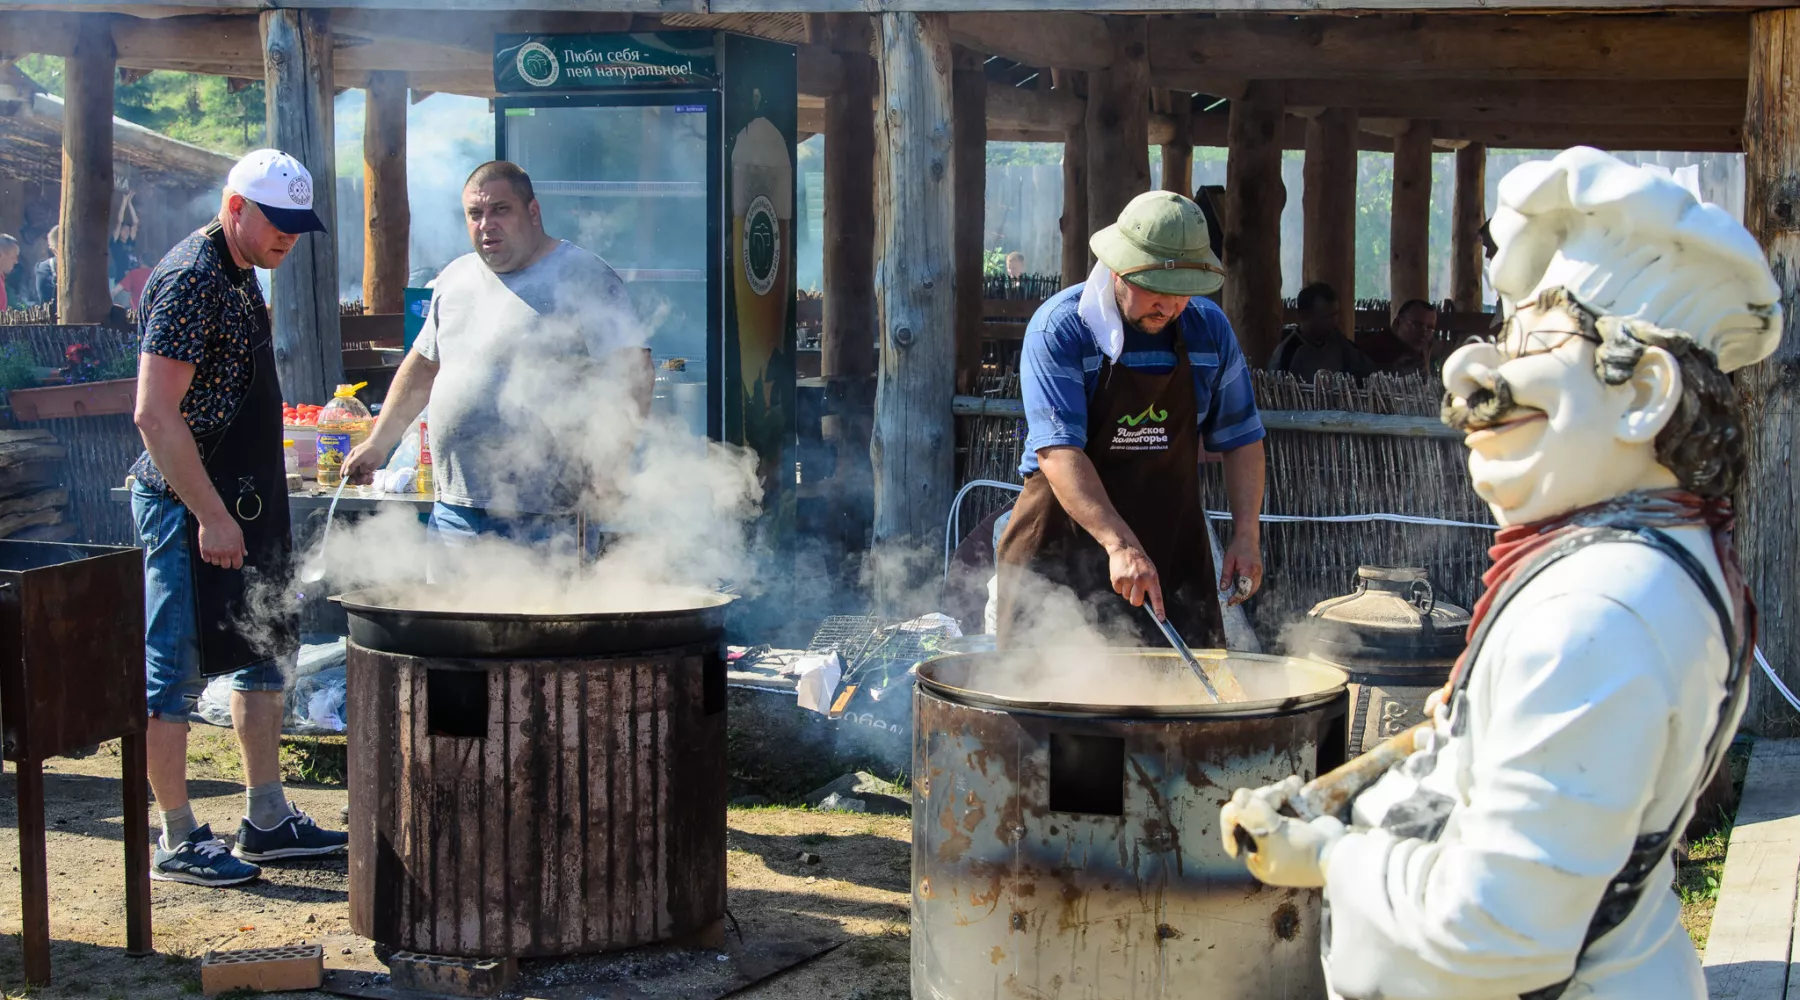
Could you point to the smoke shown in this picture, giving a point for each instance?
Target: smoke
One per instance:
(447, 137)
(673, 508)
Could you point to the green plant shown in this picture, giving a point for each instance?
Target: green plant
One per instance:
(17, 370)
(313, 761)
(993, 262)
(123, 366)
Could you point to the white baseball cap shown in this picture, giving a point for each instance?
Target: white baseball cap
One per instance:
(280, 186)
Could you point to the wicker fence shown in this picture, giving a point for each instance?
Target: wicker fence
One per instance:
(1314, 474)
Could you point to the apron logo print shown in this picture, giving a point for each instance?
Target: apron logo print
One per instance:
(1150, 413)
(1143, 432)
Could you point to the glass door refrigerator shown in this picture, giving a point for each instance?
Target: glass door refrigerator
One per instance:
(671, 155)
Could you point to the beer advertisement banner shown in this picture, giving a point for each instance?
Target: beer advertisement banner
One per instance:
(537, 64)
(761, 96)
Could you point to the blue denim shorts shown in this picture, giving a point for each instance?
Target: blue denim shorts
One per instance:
(172, 677)
(453, 526)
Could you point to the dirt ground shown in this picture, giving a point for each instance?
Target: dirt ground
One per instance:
(858, 891)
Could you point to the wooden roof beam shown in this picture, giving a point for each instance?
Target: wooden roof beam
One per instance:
(1473, 46)
(1425, 94)
(1556, 135)
(1066, 40)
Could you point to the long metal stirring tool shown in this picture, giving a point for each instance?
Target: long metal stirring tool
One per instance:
(1187, 655)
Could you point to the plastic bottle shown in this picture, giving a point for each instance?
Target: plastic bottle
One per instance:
(291, 456)
(427, 484)
(343, 424)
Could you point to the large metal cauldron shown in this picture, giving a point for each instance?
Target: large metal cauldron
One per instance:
(1065, 827)
(1397, 641)
(396, 619)
(532, 805)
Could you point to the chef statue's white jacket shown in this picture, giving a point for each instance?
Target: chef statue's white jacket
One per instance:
(1589, 709)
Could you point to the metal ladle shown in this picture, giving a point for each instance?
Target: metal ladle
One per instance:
(314, 570)
(1187, 655)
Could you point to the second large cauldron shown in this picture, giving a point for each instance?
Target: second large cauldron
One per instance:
(526, 785)
(1065, 827)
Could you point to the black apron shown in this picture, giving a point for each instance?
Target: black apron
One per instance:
(247, 616)
(1144, 440)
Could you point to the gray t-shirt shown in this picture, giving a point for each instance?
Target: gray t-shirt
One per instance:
(524, 397)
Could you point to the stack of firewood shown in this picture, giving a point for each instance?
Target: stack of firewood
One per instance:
(33, 504)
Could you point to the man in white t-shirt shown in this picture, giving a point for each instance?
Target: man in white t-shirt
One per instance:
(535, 368)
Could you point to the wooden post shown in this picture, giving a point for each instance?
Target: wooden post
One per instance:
(83, 293)
(1254, 196)
(847, 342)
(912, 448)
(387, 217)
(1770, 493)
(34, 863)
(1178, 152)
(297, 63)
(1409, 231)
(12, 209)
(1118, 124)
(1076, 261)
(969, 145)
(1466, 219)
(1329, 201)
(136, 828)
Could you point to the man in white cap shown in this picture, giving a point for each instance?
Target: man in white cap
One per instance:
(1523, 849)
(210, 500)
(1125, 379)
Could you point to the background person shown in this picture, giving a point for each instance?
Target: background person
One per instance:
(9, 259)
(1319, 345)
(44, 275)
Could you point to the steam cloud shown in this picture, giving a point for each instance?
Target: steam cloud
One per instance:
(675, 507)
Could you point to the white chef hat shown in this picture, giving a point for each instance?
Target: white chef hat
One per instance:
(1630, 241)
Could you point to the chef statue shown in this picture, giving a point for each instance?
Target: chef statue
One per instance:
(1522, 849)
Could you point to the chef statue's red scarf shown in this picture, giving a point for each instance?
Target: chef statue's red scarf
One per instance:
(1515, 546)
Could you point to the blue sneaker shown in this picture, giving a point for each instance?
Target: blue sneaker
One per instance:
(297, 836)
(201, 859)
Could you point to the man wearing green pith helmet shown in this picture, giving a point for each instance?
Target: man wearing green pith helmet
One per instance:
(1126, 378)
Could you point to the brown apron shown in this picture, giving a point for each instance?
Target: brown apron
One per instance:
(1144, 440)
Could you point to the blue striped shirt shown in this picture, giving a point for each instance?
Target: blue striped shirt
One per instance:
(1060, 367)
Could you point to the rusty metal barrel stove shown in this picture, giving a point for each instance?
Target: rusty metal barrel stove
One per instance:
(1396, 640)
(535, 785)
(1066, 827)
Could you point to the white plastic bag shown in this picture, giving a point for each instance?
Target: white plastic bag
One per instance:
(819, 676)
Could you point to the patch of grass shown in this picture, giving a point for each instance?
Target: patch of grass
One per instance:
(190, 984)
(814, 839)
(314, 760)
(1697, 883)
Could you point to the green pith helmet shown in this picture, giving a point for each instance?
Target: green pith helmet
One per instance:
(1161, 243)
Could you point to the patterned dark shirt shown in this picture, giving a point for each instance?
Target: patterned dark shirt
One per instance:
(201, 308)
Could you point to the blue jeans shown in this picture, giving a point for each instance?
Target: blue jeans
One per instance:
(454, 526)
(172, 679)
